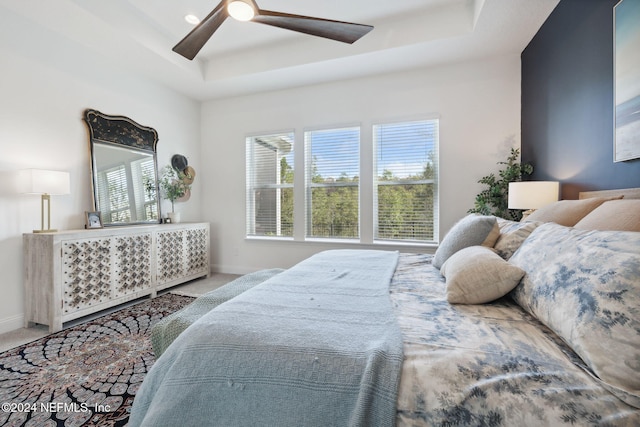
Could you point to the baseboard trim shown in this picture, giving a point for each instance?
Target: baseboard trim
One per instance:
(232, 269)
(9, 324)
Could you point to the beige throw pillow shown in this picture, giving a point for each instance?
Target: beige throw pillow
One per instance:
(512, 234)
(618, 215)
(476, 275)
(567, 212)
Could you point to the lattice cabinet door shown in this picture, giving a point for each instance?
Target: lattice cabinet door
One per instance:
(86, 273)
(132, 264)
(197, 251)
(182, 254)
(170, 247)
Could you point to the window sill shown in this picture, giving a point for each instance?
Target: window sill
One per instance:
(379, 244)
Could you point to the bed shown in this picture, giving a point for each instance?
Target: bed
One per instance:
(368, 338)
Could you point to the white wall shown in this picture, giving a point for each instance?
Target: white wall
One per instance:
(46, 83)
(479, 108)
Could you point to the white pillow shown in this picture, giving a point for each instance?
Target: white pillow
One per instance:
(471, 230)
(476, 275)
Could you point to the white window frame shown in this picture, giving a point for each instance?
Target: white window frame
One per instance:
(252, 186)
(434, 181)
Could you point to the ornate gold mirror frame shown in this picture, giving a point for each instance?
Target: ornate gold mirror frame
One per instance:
(124, 169)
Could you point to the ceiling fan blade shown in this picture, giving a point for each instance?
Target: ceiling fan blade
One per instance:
(346, 32)
(198, 37)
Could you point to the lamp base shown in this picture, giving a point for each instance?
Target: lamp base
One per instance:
(526, 213)
(51, 230)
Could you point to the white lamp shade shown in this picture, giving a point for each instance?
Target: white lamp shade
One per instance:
(532, 194)
(37, 181)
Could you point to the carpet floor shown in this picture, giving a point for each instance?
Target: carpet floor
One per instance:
(86, 375)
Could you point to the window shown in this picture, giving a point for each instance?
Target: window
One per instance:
(270, 172)
(332, 182)
(399, 172)
(406, 181)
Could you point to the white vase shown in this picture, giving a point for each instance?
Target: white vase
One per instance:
(174, 217)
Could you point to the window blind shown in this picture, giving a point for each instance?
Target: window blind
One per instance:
(332, 182)
(270, 170)
(405, 199)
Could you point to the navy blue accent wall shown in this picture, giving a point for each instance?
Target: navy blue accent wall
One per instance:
(567, 101)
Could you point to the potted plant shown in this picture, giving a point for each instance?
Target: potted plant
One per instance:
(494, 200)
(173, 188)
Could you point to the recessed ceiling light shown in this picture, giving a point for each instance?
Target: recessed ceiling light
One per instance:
(192, 19)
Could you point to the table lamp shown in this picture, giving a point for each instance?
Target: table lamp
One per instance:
(46, 183)
(532, 195)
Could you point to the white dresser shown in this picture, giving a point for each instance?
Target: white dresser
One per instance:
(70, 274)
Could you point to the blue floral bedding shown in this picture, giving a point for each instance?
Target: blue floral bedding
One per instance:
(488, 365)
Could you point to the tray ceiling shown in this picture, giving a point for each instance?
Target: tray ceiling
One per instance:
(246, 57)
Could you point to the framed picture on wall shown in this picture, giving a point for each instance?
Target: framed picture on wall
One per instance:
(627, 80)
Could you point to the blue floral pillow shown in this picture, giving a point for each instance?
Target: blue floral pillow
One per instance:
(585, 286)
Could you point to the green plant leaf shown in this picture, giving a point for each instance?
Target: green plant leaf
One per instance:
(172, 185)
(494, 199)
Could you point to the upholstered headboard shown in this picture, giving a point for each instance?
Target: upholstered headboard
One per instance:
(628, 193)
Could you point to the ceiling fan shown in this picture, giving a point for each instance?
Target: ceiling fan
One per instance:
(248, 10)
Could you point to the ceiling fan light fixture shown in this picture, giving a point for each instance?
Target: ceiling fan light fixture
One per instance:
(248, 10)
(241, 10)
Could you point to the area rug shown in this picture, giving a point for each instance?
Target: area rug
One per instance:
(86, 375)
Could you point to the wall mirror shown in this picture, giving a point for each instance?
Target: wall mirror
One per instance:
(124, 169)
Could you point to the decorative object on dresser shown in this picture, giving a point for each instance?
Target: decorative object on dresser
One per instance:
(74, 273)
(92, 220)
(124, 169)
(46, 183)
(176, 184)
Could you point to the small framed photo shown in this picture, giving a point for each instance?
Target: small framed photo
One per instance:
(92, 220)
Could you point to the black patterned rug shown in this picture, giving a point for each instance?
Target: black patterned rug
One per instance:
(86, 375)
